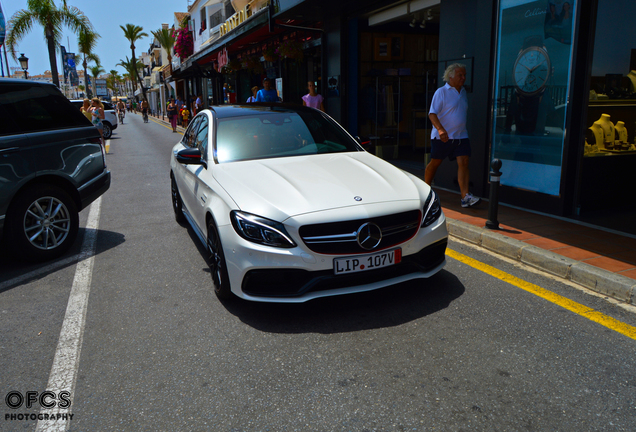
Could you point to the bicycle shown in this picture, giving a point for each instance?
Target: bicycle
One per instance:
(121, 117)
(145, 115)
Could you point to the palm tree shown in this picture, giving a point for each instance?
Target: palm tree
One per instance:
(95, 71)
(113, 82)
(165, 39)
(133, 33)
(52, 19)
(131, 68)
(86, 43)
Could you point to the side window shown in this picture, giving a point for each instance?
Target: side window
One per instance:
(40, 108)
(202, 137)
(190, 135)
(8, 125)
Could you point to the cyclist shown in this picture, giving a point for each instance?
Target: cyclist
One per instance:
(121, 111)
(144, 110)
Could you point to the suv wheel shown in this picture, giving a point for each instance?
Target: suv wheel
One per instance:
(42, 223)
(108, 130)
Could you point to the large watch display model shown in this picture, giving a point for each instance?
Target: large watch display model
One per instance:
(532, 67)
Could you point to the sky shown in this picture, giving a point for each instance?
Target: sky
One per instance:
(106, 17)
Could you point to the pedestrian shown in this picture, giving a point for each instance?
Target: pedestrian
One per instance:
(199, 103)
(193, 106)
(121, 109)
(97, 115)
(172, 114)
(144, 109)
(313, 99)
(85, 109)
(449, 137)
(185, 115)
(267, 93)
(253, 97)
(179, 104)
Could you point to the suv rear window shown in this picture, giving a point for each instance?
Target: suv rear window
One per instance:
(34, 108)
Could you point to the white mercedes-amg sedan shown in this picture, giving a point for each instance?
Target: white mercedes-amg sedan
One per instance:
(291, 207)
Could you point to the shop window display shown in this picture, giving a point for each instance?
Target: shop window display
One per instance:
(612, 106)
(534, 54)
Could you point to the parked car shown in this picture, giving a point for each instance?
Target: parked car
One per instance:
(292, 208)
(110, 120)
(52, 166)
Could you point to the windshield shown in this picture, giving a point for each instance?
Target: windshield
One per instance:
(279, 134)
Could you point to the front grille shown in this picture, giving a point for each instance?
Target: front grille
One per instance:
(337, 238)
(295, 282)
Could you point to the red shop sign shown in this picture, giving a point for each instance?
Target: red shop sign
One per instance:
(223, 59)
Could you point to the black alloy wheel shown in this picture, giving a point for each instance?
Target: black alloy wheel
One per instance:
(177, 204)
(220, 277)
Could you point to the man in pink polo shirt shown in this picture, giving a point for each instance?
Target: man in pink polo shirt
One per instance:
(449, 138)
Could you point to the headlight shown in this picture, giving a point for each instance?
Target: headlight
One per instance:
(260, 230)
(432, 209)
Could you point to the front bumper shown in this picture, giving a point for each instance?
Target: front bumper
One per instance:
(297, 275)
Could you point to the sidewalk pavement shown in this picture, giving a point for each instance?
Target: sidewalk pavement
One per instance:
(595, 258)
(592, 257)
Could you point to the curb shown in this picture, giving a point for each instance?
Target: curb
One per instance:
(601, 281)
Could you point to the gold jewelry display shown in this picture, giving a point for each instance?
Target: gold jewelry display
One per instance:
(632, 77)
(621, 132)
(608, 131)
(597, 130)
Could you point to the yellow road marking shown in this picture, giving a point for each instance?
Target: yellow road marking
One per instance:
(163, 124)
(572, 306)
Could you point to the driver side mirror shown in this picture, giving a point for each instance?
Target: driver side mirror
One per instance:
(190, 156)
(366, 144)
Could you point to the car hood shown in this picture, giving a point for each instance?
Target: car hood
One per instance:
(283, 187)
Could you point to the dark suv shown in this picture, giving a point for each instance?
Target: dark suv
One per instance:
(52, 166)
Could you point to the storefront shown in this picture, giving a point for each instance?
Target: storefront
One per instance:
(564, 108)
(550, 87)
(543, 76)
(397, 75)
(609, 143)
(247, 48)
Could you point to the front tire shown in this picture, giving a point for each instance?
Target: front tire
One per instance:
(220, 277)
(177, 204)
(42, 223)
(108, 130)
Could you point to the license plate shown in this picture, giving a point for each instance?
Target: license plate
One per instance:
(359, 263)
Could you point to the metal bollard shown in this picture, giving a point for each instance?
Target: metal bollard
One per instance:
(493, 206)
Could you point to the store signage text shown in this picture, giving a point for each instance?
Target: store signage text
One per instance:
(536, 12)
(235, 20)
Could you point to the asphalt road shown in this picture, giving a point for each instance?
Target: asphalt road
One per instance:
(461, 351)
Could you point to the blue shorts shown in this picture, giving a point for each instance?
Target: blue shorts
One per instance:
(450, 149)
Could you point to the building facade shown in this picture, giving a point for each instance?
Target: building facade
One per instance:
(547, 96)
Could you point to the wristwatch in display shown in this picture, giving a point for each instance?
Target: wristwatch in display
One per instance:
(532, 67)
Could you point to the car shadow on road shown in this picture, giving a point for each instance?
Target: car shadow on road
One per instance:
(14, 273)
(386, 307)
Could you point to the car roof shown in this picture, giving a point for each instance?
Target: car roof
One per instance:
(227, 111)
(18, 81)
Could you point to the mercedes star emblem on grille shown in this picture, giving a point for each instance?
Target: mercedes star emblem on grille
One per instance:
(369, 235)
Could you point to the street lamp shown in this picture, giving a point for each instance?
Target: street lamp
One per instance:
(24, 64)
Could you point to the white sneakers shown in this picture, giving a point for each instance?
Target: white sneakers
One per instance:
(469, 200)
